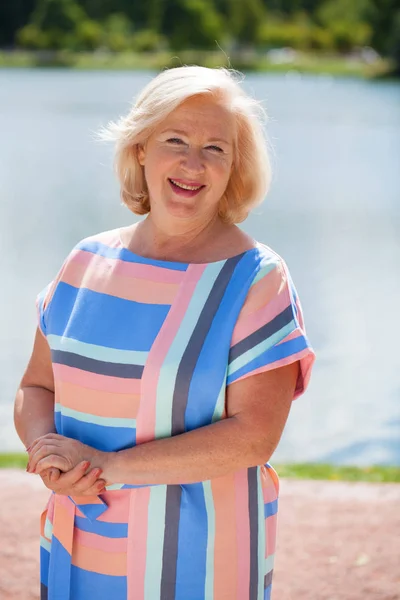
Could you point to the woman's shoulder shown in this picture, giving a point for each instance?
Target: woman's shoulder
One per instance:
(109, 238)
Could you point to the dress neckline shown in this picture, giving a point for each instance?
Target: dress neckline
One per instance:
(159, 261)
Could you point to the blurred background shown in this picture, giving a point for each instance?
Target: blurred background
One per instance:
(326, 72)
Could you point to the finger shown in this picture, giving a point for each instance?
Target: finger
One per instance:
(43, 443)
(98, 488)
(67, 480)
(54, 475)
(89, 482)
(53, 460)
(42, 452)
(47, 436)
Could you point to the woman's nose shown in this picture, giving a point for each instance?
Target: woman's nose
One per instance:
(193, 161)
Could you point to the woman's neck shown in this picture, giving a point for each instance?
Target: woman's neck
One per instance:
(176, 242)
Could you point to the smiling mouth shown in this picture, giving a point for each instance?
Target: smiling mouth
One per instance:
(185, 186)
(183, 189)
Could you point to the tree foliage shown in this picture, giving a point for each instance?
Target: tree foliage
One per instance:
(120, 25)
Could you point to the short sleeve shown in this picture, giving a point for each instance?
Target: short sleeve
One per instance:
(42, 303)
(43, 299)
(270, 330)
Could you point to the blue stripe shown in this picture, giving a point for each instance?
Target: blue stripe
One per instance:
(107, 439)
(108, 530)
(91, 511)
(86, 585)
(270, 356)
(210, 369)
(267, 593)
(192, 544)
(128, 256)
(59, 571)
(44, 566)
(270, 508)
(96, 318)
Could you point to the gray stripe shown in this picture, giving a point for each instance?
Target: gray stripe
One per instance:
(170, 550)
(262, 334)
(44, 592)
(97, 366)
(268, 579)
(195, 344)
(253, 516)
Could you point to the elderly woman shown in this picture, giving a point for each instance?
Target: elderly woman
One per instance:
(166, 359)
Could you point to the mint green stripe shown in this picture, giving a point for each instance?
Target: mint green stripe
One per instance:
(209, 583)
(94, 419)
(251, 354)
(112, 355)
(220, 404)
(168, 372)
(155, 542)
(261, 536)
(269, 564)
(270, 266)
(48, 529)
(45, 544)
(114, 486)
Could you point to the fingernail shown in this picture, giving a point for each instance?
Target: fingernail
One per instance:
(97, 472)
(85, 465)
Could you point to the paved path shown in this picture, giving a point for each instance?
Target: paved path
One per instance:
(336, 540)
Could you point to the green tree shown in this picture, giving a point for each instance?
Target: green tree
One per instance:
(53, 23)
(246, 19)
(192, 24)
(344, 20)
(384, 18)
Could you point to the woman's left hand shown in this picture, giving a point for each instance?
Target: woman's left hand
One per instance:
(63, 453)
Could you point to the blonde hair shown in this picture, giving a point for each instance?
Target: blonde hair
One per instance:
(251, 172)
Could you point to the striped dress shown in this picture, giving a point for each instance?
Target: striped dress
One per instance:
(144, 349)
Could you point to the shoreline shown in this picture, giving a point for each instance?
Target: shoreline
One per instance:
(300, 471)
(287, 61)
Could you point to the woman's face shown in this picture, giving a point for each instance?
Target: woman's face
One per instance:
(188, 159)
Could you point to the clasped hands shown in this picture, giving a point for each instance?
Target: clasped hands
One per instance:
(67, 466)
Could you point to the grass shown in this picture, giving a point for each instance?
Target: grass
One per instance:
(305, 62)
(374, 474)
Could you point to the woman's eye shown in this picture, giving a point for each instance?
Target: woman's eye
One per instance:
(175, 141)
(215, 148)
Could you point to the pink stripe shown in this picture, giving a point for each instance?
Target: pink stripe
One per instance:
(135, 290)
(99, 542)
(86, 500)
(127, 269)
(146, 418)
(243, 534)
(118, 506)
(306, 357)
(270, 534)
(94, 381)
(264, 291)
(137, 543)
(247, 325)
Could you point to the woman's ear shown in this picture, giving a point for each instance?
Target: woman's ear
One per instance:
(141, 154)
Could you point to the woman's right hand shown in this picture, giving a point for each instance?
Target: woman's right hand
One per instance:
(79, 481)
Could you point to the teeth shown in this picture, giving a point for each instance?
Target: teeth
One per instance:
(186, 187)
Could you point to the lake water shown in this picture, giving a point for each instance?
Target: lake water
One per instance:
(333, 213)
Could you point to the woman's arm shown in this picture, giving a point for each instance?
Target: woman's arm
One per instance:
(34, 417)
(257, 410)
(34, 402)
